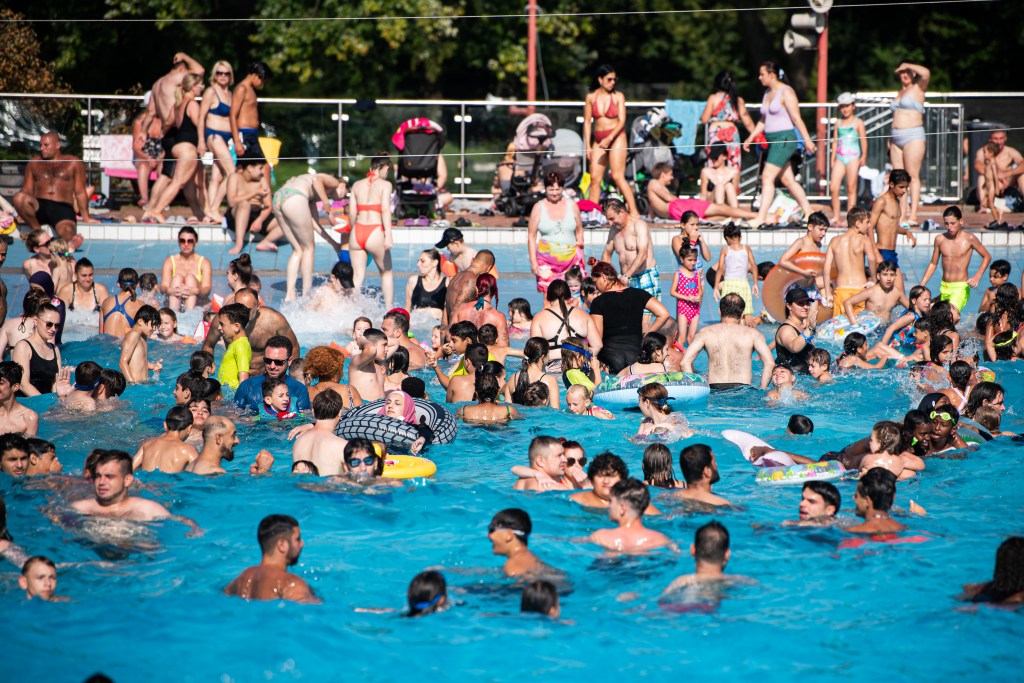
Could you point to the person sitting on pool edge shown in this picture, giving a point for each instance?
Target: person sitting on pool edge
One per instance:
(629, 499)
(605, 471)
(710, 552)
(509, 533)
(700, 470)
(876, 491)
(820, 502)
(281, 544)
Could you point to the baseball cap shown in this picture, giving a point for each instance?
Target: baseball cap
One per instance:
(450, 235)
(845, 98)
(797, 296)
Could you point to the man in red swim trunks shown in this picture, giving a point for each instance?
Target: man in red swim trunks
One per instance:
(664, 204)
(54, 183)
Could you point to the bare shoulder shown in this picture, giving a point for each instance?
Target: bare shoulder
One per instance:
(147, 509)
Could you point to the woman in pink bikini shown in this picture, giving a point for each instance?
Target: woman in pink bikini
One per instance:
(370, 214)
(605, 115)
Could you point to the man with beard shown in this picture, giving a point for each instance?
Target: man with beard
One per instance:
(700, 471)
(281, 543)
(219, 440)
(111, 474)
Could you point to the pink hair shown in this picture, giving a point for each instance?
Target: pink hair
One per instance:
(408, 407)
(487, 286)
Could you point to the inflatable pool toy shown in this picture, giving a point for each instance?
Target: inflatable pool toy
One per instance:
(780, 281)
(837, 327)
(746, 442)
(365, 422)
(800, 474)
(408, 467)
(7, 224)
(620, 392)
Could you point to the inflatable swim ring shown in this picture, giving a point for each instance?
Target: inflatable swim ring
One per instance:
(836, 328)
(365, 422)
(408, 467)
(747, 442)
(800, 474)
(780, 281)
(685, 387)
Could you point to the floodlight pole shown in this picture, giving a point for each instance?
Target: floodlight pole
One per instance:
(822, 155)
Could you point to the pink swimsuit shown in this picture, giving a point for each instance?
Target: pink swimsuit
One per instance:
(688, 286)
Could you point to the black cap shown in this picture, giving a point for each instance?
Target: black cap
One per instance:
(797, 296)
(450, 235)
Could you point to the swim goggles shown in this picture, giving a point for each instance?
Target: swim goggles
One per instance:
(577, 349)
(369, 460)
(492, 527)
(945, 416)
(420, 606)
(86, 387)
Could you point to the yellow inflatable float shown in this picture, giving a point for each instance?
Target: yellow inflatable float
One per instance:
(780, 281)
(408, 467)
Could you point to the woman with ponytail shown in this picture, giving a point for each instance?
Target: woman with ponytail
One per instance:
(562, 318)
(534, 354)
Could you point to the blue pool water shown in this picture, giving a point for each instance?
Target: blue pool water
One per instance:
(879, 612)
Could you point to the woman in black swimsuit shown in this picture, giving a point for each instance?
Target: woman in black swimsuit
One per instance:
(185, 150)
(794, 338)
(38, 355)
(561, 318)
(427, 290)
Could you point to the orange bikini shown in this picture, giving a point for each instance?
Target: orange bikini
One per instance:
(363, 231)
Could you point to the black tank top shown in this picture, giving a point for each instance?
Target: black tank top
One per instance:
(421, 298)
(187, 132)
(796, 360)
(42, 372)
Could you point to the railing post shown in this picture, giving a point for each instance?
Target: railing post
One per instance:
(341, 137)
(88, 118)
(462, 149)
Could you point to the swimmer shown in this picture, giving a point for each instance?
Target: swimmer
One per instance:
(962, 379)
(80, 395)
(305, 467)
(1007, 584)
(820, 502)
(359, 326)
(540, 597)
(886, 215)
(848, 253)
(42, 458)
(547, 464)
(488, 336)
(168, 452)
(659, 420)
(700, 470)
(710, 552)
(14, 451)
(219, 440)
(167, 330)
(111, 475)
(235, 366)
(818, 363)
(855, 354)
(880, 298)
(14, 417)
(427, 594)
(876, 491)
(657, 467)
(188, 387)
(955, 248)
(487, 408)
(364, 464)
(134, 363)
(580, 401)
(886, 452)
(461, 387)
(320, 445)
(998, 274)
(629, 500)
(276, 400)
(366, 368)
(39, 579)
(509, 533)
(202, 362)
(784, 386)
(281, 544)
(605, 471)
(944, 435)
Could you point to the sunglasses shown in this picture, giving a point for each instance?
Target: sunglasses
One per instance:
(572, 461)
(369, 460)
(49, 325)
(44, 244)
(945, 416)
(274, 361)
(185, 241)
(222, 73)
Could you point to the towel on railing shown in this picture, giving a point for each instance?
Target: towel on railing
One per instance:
(116, 153)
(687, 114)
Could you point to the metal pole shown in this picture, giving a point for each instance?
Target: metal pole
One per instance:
(822, 156)
(341, 137)
(531, 51)
(88, 119)
(462, 150)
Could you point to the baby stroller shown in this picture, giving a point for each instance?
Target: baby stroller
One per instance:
(532, 144)
(419, 142)
(566, 157)
(650, 143)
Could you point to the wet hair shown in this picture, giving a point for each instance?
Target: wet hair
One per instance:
(37, 446)
(731, 306)
(1008, 575)
(399, 361)
(193, 382)
(270, 384)
(819, 218)
(853, 342)
(343, 272)
(236, 314)
(914, 418)
(572, 359)
(559, 291)
(606, 463)
(999, 266)
(514, 520)
(259, 68)
(113, 382)
(488, 334)
(37, 559)
(879, 486)
(100, 457)
(800, 425)
(536, 395)
(1003, 343)
(358, 445)
(540, 597)
(491, 367)
(603, 269)
(657, 395)
(147, 282)
(212, 390)
(1007, 302)
(178, 419)
(657, 466)
(539, 445)
(711, 543)
(12, 441)
(633, 493)
(828, 492)
(983, 391)
(486, 386)
(819, 356)
(856, 215)
(486, 287)
(521, 306)
(463, 330)
(128, 280)
(988, 417)
(960, 374)
(477, 355)
(241, 268)
(373, 335)
(588, 287)
(953, 211)
(308, 464)
(898, 176)
(939, 343)
(732, 232)
(87, 373)
(888, 435)
(887, 267)
(148, 314)
(272, 528)
(426, 593)
(11, 372)
(400, 319)
(763, 268)
(86, 263)
(415, 387)
(693, 460)
(650, 345)
(327, 404)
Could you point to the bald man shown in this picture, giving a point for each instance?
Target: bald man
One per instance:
(263, 324)
(462, 287)
(54, 183)
(219, 440)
